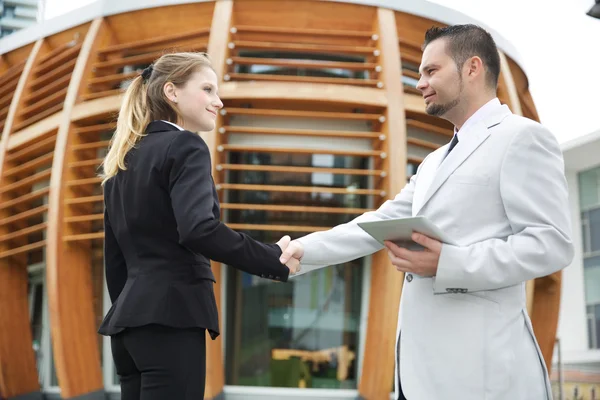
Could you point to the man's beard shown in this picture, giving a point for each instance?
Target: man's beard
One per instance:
(437, 110)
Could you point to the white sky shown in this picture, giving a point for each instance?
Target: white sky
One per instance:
(560, 52)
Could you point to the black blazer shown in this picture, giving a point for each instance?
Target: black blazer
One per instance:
(162, 228)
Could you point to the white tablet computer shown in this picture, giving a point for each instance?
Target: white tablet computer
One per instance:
(399, 231)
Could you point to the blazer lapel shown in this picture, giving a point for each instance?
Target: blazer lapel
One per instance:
(468, 143)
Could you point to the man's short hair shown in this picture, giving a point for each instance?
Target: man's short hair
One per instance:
(466, 41)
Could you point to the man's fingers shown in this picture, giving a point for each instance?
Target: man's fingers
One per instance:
(288, 253)
(426, 242)
(294, 266)
(400, 251)
(284, 242)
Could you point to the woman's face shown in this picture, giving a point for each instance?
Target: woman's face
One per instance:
(197, 101)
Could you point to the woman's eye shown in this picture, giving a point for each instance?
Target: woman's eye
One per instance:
(208, 90)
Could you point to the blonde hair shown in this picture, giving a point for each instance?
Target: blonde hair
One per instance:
(144, 101)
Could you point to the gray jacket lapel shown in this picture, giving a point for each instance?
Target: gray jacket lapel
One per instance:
(469, 142)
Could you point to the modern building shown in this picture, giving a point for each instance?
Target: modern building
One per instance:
(322, 122)
(579, 317)
(18, 14)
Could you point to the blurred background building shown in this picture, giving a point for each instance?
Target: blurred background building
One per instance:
(18, 14)
(322, 122)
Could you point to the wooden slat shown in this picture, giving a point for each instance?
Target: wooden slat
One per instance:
(84, 218)
(300, 132)
(303, 79)
(30, 180)
(84, 236)
(302, 31)
(25, 198)
(91, 146)
(86, 181)
(48, 90)
(411, 90)
(59, 49)
(116, 78)
(43, 104)
(428, 127)
(422, 143)
(86, 163)
(301, 47)
(144, 58)
(95, 128)
(23, 249)
(356, 153)
(46, 145)
(278, 228)
(52, 63)
(298, 170)
(104, 93)
(302, 114)
(284, 208)
(53, 75)
(11, 73)
(410, 73)
(29, 166)
(5, 101)
(24, 232)
(84, 200)
(298, 189)
(154, 41)
(46, 113)
(24, 215)
(308, 64)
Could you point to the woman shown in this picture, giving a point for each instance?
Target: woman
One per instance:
(162, 228)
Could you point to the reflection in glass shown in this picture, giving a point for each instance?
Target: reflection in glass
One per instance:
(304, 333)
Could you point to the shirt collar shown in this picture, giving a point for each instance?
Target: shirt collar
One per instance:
(175, 125)
(480, 114)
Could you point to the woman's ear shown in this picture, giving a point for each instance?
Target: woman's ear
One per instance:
(170, 91)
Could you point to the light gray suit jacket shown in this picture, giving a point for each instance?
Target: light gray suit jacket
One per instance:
(502, 195)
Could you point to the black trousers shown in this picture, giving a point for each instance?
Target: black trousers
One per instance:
(157, 363)
(400, 394)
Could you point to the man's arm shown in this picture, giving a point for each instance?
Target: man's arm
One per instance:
(534, 193)
(348, 241)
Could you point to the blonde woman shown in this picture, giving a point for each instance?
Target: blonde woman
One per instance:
(162, 228)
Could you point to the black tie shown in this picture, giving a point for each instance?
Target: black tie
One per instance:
(452, 143)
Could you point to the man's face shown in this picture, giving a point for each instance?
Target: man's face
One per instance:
(441, 82)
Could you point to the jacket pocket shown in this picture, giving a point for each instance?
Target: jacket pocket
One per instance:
(202, 271)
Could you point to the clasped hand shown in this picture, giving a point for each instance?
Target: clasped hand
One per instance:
(292, 252)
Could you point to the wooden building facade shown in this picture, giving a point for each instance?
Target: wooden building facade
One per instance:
(321, 123)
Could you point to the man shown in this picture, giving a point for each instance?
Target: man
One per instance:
(499, 190)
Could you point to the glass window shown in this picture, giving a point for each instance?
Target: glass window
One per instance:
(301, 71)
(589, 188)
(591, 273)
(304, 333)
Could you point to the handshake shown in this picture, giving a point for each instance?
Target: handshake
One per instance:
(292, 252)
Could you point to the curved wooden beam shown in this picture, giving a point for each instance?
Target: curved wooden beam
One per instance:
(68, 270)
(386, 283)
(218, 51)
(18, 372)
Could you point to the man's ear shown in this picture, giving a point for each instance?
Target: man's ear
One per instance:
(170, 91)
(475, 66)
